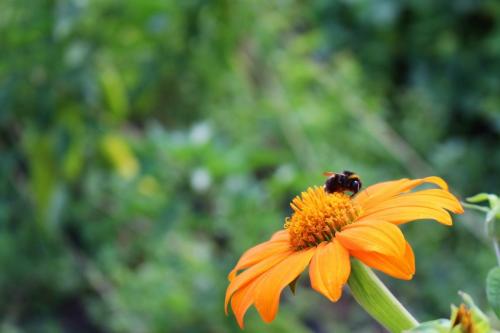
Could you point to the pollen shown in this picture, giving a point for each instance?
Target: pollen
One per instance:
(318, 216)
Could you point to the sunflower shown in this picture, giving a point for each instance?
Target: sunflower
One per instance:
(326, 230)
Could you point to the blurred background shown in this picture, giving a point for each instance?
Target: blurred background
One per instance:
(146, 144)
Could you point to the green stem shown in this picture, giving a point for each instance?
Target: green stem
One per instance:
(377, 300)
(474, 207)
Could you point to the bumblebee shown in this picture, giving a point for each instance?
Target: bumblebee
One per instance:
(341, 182)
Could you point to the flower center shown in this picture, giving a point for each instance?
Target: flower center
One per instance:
(318, 216)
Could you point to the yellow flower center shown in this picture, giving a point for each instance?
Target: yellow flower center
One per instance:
(318, 216)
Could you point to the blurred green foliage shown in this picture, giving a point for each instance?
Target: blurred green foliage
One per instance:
(146, 144)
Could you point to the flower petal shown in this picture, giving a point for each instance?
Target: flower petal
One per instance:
(257, 254)
(281, 235)
(268, 290)
(329, 269)
(435, 198)
(373, 236)
(402, 267)
(400, 215)
(243, 299)
(253, 272)
(380, 192)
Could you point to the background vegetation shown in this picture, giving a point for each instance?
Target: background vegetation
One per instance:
(146, 144)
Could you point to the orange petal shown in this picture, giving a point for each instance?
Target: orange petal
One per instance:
(329, 269)
(439, 197)
(281, 235)
(268, 290)
(399, 267)
(435, 198)
(252, 273)
(377, 190)
(380, 192)
(400, 215)
(243, 299)
(373, 236)
(258, 253)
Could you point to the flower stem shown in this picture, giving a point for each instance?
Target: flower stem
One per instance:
(377, 300)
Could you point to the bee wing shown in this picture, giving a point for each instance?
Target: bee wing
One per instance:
(328, 173)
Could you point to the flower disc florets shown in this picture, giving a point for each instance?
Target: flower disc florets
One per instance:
(318, 216)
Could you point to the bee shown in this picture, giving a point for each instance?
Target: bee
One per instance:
(341, 182)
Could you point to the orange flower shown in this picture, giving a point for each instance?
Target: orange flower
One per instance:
(325, 230)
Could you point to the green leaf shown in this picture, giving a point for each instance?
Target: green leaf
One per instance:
(293, 284)
(44, 169)
(492, 200)
(493, 289)
(478, 198)
(114, 89)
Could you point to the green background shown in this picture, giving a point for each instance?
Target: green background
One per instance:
(146, 144)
